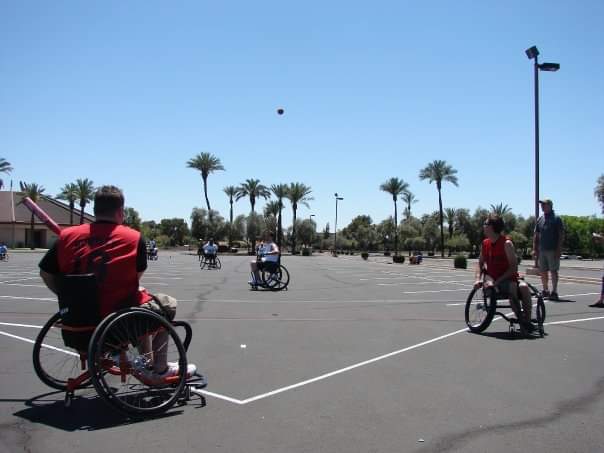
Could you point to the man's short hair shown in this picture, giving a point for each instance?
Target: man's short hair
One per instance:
(108, 200)
(496, 223)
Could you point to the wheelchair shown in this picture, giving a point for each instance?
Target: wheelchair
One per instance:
(274, 276)
(152, 254)
(482, 305)
(74, 351)
(3, 256)
(206, 263)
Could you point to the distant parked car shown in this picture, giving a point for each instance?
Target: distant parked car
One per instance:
(563, 257)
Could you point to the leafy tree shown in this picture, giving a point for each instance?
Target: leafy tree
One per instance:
(34, 192)
(297, 193)
(305, 230)
(362, 231)
(599, 191)
(85, 191)
(326, 233)
(458, 242)
(415, 243)
(500, 209)
(150, 229)
(132, 218)
(205, 225)
(206, 164)
(521, 242)
(175, 229)
(439, 171)
(395, 187)
(280, 191)
(385, 233)
(451, 216)
(429, 225)
(5, 167)
(69, 193)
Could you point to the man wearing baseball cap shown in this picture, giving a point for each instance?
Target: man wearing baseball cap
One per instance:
(547, 246)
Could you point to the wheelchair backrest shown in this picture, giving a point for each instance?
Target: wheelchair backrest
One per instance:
(78, 300)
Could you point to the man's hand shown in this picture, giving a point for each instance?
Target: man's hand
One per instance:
(477, 284)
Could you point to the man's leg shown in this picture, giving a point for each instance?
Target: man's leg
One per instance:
(527, 303)
(511, 289)
(543, 269)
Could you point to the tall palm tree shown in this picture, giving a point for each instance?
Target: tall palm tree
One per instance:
(252, 189)
(280, 191)
(500, 209)
(230, 191)
(205, 163)
(271, 209)
(69, 193)
(297, 193)
(395, 187)
(409, 199)
(439, 171)
(85, 193)
(4, 168)
(34, 192)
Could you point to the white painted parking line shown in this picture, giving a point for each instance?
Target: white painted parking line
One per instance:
(27, 340)
(19, 325)
(572, 320)
(561, 297)
(44, 299)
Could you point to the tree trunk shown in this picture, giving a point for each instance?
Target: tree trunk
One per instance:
(279, 227)
(295, 208)
(71, 206)
(395, 230)
(205, 192)
(442, 231)
(231, 227)
(82, 213)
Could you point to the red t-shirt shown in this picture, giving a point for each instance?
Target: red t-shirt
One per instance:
(495, 259)
(109, 251)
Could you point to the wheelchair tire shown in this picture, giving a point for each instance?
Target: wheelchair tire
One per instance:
(54, 362)
(218, 263)
(540, 315)
(275, 281)
(113, 355)
(202, 263)
(479, 310)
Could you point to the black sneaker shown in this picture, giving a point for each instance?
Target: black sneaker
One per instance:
(554, 296)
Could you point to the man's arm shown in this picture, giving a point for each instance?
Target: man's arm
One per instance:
(50, 280)
(479, 269)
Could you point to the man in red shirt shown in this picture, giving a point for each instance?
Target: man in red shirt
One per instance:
(498, 270)
(117, 255)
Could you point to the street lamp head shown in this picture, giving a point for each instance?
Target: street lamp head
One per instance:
(532, 52)
(550, 67)
(339, 198)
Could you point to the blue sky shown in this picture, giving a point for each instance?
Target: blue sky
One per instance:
(125, 93)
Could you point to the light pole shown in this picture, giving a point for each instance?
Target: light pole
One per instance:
(312, 236)
(335, 235)
(533, 54)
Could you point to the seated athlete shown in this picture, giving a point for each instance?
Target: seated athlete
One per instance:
(117, 256)
(3, 251)
(210, 250)
(268, 252)
(498, 270)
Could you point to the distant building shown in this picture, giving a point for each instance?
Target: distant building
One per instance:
(15, 218)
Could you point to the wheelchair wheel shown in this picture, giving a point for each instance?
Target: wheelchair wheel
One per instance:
(540, 315)
(54, 362)
(203, 263)
(218, 263)
(119, 358)
(276, 280)
(480, 310)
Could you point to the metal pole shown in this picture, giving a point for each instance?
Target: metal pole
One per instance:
(536, 138)
(335, 235)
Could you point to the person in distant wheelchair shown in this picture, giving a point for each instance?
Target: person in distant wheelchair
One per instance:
(117, 256)
(210, 251)
(3, 252)
(267, 255)
(498, 270)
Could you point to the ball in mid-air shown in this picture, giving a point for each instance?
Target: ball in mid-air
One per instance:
(280, 111)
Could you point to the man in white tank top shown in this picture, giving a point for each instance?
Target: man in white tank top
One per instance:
(268, 252)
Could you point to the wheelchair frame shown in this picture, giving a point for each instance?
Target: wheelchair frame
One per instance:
(104, 358)
(481, 308)
(204, 263)
(276, 279)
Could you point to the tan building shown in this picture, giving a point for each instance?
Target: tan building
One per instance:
(15, 220)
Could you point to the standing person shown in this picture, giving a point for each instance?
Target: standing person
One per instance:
(267, 252)
(117, 255)
(498, 270)
(600, 302)
(547, 246)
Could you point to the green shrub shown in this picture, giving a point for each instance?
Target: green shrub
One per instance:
(398, 259)
(460, 262)
(306, 251)
(364, 255)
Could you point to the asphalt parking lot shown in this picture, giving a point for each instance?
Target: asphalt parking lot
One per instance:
(354, 357)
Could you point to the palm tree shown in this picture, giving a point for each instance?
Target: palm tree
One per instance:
(409, 199)
(500, 209)
(439, 171)
(4, 168)
(85, 192)
(69, 193)
(280, 191)
(205, 163)
(297, 193)
(253, 189)
(451, 215)
(395, 187)
(230, 191)
(34, 192)
(271, 209)
(599, 191)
